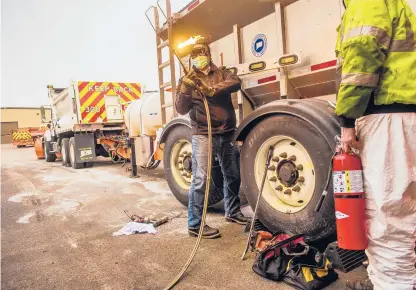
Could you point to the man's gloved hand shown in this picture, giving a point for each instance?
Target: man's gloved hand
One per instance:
(189, 82)
(206, 90)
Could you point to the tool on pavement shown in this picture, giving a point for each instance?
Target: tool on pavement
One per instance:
(269, 157)
(147, 220)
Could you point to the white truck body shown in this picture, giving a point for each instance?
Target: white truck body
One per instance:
(91, 105)
(248, 32)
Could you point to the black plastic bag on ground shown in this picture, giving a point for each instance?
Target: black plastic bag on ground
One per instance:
(296, 264)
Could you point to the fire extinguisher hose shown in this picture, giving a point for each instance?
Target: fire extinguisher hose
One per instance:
(328, 180)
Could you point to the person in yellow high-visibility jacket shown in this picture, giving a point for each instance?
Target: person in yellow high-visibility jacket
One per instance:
(376, 105)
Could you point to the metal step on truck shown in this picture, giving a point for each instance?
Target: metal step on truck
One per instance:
(283, 51)
(87, 122)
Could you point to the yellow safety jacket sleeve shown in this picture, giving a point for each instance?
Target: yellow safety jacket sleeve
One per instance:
(363, 41)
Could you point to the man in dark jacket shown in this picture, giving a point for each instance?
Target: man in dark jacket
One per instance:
(217, 85)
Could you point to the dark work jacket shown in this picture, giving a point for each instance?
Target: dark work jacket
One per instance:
(221, 108)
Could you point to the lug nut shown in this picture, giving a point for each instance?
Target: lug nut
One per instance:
(293, 158)
(283, 155)
(296, 188)
(273, 178)
(275, 159)
(181, 155)
(301, 179)
(299, 167)
(185, 152)
(288, 192)
(279, 188)
(184, 174)
(272, 168)
(180, 162)
(181, 168)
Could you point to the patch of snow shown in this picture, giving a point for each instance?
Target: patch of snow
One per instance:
(72, 244)
(26, 218)
(19, 197)
(63, 206)
(156, 186)
(51, 177)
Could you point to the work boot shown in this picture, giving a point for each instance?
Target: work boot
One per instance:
(209, 233)
(238, 218)
(360, 285)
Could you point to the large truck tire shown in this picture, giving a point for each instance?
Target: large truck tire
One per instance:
(296, 178)
(49, 156)
(65, 152)
(88, 164)
(177, 161)
(72, 155)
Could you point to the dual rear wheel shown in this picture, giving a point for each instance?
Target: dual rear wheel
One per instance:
(68, 154)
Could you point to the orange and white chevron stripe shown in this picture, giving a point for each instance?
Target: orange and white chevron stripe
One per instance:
(92, 98)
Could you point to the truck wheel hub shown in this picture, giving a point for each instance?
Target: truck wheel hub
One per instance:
(287, 173)
(187, 163)
(181, 163)
(290, 182)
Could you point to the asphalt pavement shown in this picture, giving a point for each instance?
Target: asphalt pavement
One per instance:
(57, 227)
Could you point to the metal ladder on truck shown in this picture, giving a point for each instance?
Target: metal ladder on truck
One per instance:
(160, 44)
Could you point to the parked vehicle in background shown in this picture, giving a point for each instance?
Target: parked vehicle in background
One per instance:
(87, 121)
(23, 137)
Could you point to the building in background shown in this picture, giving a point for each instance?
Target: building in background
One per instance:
(13, 118)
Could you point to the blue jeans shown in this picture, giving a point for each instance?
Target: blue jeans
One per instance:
(229, 158)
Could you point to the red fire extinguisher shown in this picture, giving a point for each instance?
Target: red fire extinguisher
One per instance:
(347, 177)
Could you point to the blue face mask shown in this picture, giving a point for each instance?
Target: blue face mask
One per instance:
(200, 62)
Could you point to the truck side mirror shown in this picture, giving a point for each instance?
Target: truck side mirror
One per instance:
(43, 114)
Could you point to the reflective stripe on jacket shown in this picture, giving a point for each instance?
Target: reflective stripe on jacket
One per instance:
(376, 52)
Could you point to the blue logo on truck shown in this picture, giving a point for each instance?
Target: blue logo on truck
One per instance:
(259, 45)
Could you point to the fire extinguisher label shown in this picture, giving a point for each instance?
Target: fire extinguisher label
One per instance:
(340, 215)
(348, 181)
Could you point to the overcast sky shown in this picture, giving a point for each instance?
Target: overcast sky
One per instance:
(55, 41)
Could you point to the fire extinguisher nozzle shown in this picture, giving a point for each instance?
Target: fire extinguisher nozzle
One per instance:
(321, 201)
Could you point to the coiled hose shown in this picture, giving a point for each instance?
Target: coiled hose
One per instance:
(204, 212)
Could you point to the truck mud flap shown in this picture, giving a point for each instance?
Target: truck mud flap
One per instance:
(84, 148)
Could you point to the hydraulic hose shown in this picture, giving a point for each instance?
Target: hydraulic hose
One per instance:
(204, 212)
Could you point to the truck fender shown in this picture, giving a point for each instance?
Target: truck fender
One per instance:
(318, 113)
(178, 121)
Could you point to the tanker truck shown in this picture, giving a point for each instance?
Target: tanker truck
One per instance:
(283, 51)
(87, 122)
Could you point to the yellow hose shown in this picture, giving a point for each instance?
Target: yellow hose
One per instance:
(204, 212)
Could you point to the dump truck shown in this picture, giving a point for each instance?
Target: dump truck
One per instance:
(87, 122)
(22, 137)
(283, 51)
